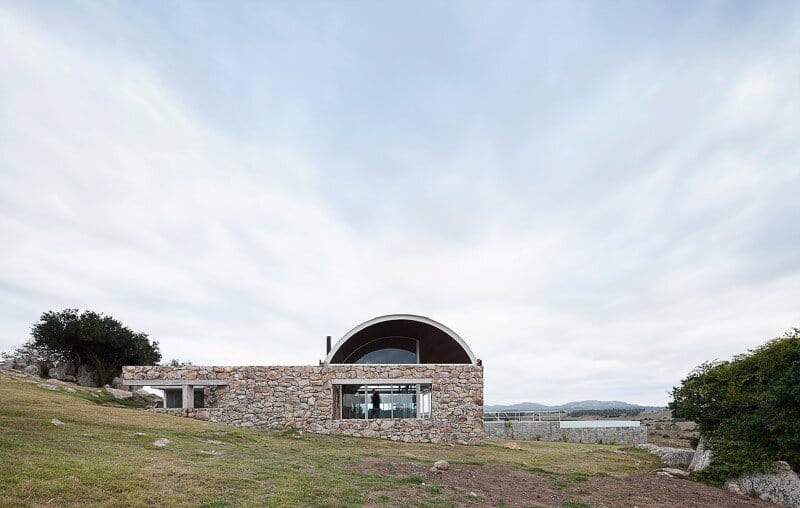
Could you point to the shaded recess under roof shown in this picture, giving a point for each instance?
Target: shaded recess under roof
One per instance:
(396, 337)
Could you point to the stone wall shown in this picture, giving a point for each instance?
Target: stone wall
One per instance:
(551, 431)
(283, 397)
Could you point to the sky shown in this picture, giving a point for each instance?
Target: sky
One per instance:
(597, 196)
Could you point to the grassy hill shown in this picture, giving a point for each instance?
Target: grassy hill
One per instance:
(104, 455)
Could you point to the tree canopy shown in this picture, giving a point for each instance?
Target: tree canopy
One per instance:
(748, 408)
(94, 339)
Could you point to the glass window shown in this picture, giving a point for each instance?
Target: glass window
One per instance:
(354, 402)
(389, 350)
(199, 397)
(173, 399)
(384, 401)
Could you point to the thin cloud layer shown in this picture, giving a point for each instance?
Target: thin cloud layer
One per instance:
(596, 201)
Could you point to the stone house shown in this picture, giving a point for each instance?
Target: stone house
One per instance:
(401, 377)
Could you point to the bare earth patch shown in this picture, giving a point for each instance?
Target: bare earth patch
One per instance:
(492, 484)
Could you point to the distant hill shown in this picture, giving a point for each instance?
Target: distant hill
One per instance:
(569, 406)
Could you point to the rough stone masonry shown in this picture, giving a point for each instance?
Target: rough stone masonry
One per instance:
(284, 397)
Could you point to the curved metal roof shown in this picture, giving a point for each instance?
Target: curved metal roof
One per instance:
(401, 317)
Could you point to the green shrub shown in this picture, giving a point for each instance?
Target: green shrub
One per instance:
(748, 408)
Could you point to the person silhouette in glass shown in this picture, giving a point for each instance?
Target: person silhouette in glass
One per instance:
(375, 412)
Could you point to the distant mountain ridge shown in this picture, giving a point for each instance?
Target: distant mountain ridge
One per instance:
(569, 406)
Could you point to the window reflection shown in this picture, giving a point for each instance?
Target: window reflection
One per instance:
(391, 350)
(385, 401)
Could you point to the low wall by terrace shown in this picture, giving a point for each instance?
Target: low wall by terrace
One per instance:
(302, 397)
(552, 431)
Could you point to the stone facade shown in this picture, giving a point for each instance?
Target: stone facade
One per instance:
(284, 397)
(552, 431)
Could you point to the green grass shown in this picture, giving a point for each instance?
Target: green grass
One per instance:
(97, 459)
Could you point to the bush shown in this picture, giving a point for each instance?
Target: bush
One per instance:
(748, 408)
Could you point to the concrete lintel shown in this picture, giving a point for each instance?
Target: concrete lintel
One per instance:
(382, 381)
(174, 382)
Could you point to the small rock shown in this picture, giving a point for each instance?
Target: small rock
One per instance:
(69, 389)
(31, 370)
(621, 452)
(440, 466)
(47, 386)
(675, 473)
(139, 434)
(215, 442)
(512, 446)
(472, 494)
(161, 442)
(56, 422)
(215, 453)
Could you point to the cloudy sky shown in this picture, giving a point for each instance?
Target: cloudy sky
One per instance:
(596, 196)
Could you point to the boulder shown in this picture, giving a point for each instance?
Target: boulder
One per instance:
(63, 371)
(702, 457)
(119, 394)
(161, 442)
(32, 370)
(670, 456)
(145, 397)
(56, 422)
(7, 364)
(781, 486)
(439, 466)
(117, 383)
(87, 376)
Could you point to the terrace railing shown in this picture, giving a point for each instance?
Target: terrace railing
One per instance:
(523, 416)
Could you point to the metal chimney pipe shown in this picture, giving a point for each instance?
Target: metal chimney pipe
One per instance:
(328, 340)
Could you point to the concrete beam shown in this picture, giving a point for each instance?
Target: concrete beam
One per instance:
(174, 382)
(382, 381)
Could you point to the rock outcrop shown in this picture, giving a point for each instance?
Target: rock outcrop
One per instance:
(781, 486)
(670, 456)
(64, 371)
(32, 370)
(145, 397)
(87, 376)
(702, 458)
(119, 394)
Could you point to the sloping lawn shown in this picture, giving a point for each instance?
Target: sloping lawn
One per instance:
(104, 455)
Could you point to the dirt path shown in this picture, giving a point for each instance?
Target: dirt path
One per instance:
(493, 485)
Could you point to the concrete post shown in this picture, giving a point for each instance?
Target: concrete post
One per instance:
(188, 396)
